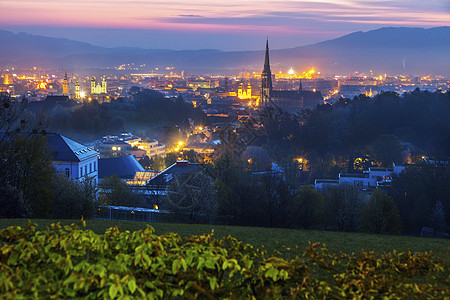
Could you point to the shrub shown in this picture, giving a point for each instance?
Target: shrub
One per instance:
(67, 262)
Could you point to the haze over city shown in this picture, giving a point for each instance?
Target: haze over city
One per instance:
(198, 24)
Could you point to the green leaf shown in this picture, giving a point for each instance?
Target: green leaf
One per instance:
(112, 291)
(132, 285)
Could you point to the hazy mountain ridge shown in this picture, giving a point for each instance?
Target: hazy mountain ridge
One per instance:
(384, 50)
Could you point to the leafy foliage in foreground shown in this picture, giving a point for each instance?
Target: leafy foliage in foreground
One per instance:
(65, 261)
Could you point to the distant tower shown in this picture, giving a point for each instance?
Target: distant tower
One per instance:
(249, 91)
(7, 79)
(93, 85)
(77, 90)
(65, 85)
(266, 79)
(300, 87)
(240, 91)
(104, 89)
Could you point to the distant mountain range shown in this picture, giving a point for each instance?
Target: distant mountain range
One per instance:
(393, 50)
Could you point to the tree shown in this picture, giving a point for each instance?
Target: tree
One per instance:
(190, 156)
(380, 215)
(417, 189)
(25, 162)
(27, 166)
(192, 198)
(308, 207)
(343, 206)
(12, 203)
(387, 149)
(437, 220)
(257, 158)
(113, 191)
(159, 163)
(170, 159)
(145, 162)
(73, 199)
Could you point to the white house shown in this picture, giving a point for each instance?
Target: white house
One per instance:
(374, 177)
(73, 159)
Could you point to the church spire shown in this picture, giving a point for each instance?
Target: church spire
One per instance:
(266, 59)
(266, 79)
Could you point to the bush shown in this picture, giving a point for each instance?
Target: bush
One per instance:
(66, 262)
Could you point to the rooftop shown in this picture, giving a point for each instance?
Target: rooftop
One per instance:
(65, 149)
(125, 167)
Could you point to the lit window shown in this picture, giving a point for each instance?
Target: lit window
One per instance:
(114, 148)
(118, 148)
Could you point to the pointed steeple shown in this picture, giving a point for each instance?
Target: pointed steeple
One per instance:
(300, 87)
(266, 59)
(266, 79)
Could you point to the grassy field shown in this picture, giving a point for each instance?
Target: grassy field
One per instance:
(270, 238)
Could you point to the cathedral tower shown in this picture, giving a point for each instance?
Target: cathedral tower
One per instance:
(77, 90)
(93, 85)
(266, 79)
(104, 89)
(65, 85)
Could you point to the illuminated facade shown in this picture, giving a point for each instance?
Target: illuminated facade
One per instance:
(77, 90)
(291, 101)
(65, 85)
(7, 79)
(98, 88)
(244, 94)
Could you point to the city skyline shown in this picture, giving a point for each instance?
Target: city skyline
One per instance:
(201, 24)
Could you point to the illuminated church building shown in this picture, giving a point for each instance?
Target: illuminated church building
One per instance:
(65, 85)
(77, 90)
(291, 101)
(245, 94)
(97, 89)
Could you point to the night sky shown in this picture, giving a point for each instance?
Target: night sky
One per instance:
(227, 25)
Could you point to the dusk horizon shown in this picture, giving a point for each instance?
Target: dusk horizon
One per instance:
(203, 25)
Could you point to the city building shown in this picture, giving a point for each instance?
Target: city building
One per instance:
(97, 89)
(372, 178)
(287, 100)
(244, 94)
(65, 85)
(127, 143)
(77, 90)
(125, 167)
(74, 160)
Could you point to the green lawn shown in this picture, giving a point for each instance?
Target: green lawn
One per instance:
(271, 238)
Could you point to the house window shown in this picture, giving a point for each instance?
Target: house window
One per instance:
(81, 171)
(95, 166)
(90, 168)
(85, 169)
(67, 172)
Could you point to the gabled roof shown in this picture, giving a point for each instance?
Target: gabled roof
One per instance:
(177, 169)
(125, 167)
(65, 149)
